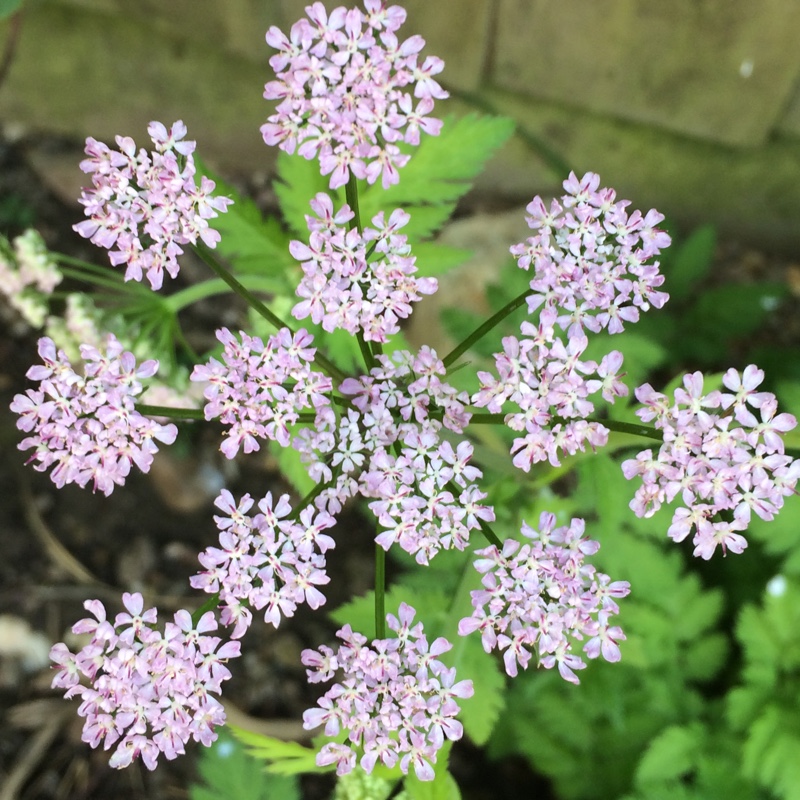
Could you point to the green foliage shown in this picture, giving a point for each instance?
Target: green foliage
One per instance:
(442, 787)
(283, 758)
(670, 754)
(15, 211)
(688, 264)
(251, 242)
(697, 762)
(589, 739)
(440, 172)
(765, 707)
(228, 773)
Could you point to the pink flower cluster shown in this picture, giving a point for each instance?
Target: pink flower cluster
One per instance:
(396, 700)
(592, 261)
(388, 448)
(343, 287)
(145, 206)
(86, 426)
(151, 692)
(344, 84)
(261, 389)
(591, 272)
(722, 455)
(541, 595)
(272, 561)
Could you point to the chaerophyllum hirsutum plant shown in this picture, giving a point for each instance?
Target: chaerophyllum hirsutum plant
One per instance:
(394, 433)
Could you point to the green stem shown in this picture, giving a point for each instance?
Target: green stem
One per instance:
(380, 592)
(366, 353)
(209, 605)
(167, 411)
(108, 281)
(490, 323)
(62, 258)
(637, 429)
(211, 260)
(490, 535)
(181, 339)
(351, 194)
(200, 291)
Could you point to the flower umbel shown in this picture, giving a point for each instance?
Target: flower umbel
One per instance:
(723, 456)
(395, 699)
(28, 275)
(272, 561)
(540, 596)
(149, 692)
(349, 91)
(145, 206)
(86, 426)
(342, 288)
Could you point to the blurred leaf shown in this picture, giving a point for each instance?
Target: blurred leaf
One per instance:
(230, 774)
(480, 712)
(283, 758)
(298, 183)
(442, 167)
(671, 754)
(442, 787)
(724, 314)
(8, 7)
(433, 258)
(690, 262)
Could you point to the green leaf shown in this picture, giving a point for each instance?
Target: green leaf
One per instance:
(479, 713)
(705, 656)
(250, 242)
(671, 754)
(9, 7)
(690, 262)
(283, 758)
(443, 787)
(359, 613)
(291, 466)
(724, 314)
(772, 753)
(229, 773)
(433, 258)
(440, 171)
(298, 182)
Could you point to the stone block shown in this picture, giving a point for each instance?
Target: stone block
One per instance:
(86, 71)
(718, 69)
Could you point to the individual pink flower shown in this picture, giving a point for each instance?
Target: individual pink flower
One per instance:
(349, 92)
(144, 207)
(86, 427)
